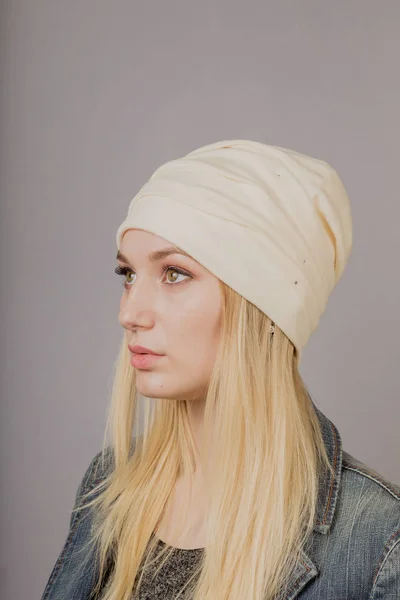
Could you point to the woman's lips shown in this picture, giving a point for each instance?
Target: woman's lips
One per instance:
(142, 361)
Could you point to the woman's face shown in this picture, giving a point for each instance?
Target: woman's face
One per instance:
(171, 313)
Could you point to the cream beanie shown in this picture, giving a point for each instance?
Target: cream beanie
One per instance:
(273, 224)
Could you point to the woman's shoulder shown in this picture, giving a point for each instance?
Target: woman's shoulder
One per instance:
(369, 504)
(361, 550)
(100, 467)
(361, 475)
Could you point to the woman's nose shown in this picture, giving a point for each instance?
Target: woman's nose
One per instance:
(137, 307)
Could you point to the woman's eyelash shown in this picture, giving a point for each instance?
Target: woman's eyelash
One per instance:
(125, 270)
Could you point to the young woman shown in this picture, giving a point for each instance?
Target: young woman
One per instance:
(236, 486)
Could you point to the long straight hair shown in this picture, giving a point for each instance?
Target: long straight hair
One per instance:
(265, 450)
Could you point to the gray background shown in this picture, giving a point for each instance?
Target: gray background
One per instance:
(95, 96)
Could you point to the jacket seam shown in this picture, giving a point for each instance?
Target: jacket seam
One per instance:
(375, 478)
(332, 483)
(385, 555)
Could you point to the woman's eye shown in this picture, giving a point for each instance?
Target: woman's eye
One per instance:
(123, 271)
(176, 272)
(126, 272)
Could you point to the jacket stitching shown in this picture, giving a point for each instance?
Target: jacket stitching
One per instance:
(332, 478)
(384, 556)
(300, 578)
(374, 478)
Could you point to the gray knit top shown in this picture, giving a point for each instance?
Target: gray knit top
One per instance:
(171, 577)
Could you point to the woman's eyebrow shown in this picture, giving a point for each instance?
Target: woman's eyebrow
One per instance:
(157, 254)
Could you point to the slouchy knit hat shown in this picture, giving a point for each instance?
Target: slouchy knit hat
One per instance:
(273, 224)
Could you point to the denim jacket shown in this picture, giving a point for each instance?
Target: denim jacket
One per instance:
(353, 552)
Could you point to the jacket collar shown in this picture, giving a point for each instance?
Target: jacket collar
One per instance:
(328, 490)
(328, 484)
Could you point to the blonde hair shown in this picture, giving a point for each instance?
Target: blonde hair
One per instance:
(263, 483)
